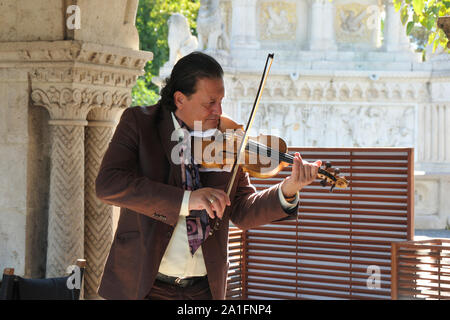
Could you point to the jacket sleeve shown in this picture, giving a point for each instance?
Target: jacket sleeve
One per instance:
(118, 182)
(251, 208)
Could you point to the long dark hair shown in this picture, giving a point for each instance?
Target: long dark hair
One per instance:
(184, 76)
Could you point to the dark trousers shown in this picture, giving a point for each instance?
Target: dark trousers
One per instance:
(166, 291)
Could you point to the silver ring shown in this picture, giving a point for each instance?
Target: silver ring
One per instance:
(211, 200)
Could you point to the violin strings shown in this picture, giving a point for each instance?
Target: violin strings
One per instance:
(256, 146)
(285, 157)
(269, 151)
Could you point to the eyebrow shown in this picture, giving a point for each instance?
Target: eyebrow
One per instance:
(215, 99)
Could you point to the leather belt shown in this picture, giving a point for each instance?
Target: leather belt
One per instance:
(179, 282)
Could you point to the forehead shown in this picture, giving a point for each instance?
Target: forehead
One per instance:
(210, 88)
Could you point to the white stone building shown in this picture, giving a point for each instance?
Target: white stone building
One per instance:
(338, 80)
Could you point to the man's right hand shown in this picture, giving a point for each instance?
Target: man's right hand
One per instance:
(210, 199)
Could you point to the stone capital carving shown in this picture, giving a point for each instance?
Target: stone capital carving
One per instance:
(74, 103)
(70, 78)
(97, 76)
(42, 52)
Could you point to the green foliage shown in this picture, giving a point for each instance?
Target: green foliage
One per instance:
(142, 95)
(151, 23)
(420, 17)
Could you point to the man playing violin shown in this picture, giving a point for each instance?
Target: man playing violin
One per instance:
(164, 247)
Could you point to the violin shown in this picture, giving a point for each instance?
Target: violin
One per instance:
(264, 156)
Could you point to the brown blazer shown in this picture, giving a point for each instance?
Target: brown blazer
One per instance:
(138, 176)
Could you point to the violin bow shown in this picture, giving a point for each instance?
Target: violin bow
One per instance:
(243, 144)
(241, 149)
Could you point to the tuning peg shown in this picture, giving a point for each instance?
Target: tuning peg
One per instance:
(337, 171)
(328, 164)
(323, 182)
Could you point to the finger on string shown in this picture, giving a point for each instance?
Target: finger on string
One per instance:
(301, 159)
(295, 169)
(308, 172)
(316, 167)
(301, 167)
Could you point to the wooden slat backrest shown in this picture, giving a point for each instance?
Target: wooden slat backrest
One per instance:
(421, 269)
(235, 258)
(338, 239)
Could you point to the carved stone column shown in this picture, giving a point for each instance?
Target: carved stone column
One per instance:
(433, 141)
(68, 109)
(432, 178)
(98, 226)
(88, 87)
(243, 27)
(322, 26)
(434, 128)
(395, 38)
(79, 60)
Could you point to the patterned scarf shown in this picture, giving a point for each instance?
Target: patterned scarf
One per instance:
(197, 222)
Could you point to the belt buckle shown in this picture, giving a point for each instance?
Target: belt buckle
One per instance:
(178, 280)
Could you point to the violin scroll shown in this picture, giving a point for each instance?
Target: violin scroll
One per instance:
(331, 176)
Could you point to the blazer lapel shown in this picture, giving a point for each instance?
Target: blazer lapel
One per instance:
(165, 130)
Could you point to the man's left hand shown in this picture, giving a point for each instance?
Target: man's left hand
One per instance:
(303, 173)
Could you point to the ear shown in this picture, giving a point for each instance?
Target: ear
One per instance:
(179, 98)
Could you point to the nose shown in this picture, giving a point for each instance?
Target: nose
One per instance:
(217, 109)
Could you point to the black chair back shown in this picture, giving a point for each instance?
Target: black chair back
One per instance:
(63, 288)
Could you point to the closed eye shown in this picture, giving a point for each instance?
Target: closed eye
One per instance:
(209, 105)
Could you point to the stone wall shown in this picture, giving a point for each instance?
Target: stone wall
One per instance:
(14, 144)
(62, 90)
(338, 80)
(105, 22)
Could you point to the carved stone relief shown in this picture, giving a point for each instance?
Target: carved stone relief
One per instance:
(74, 104)
(181, 41)
(211, 29)
(354, 23)
(226, 11)
(278, 20)
(316, 89)
(339, 125)
(426, 197)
